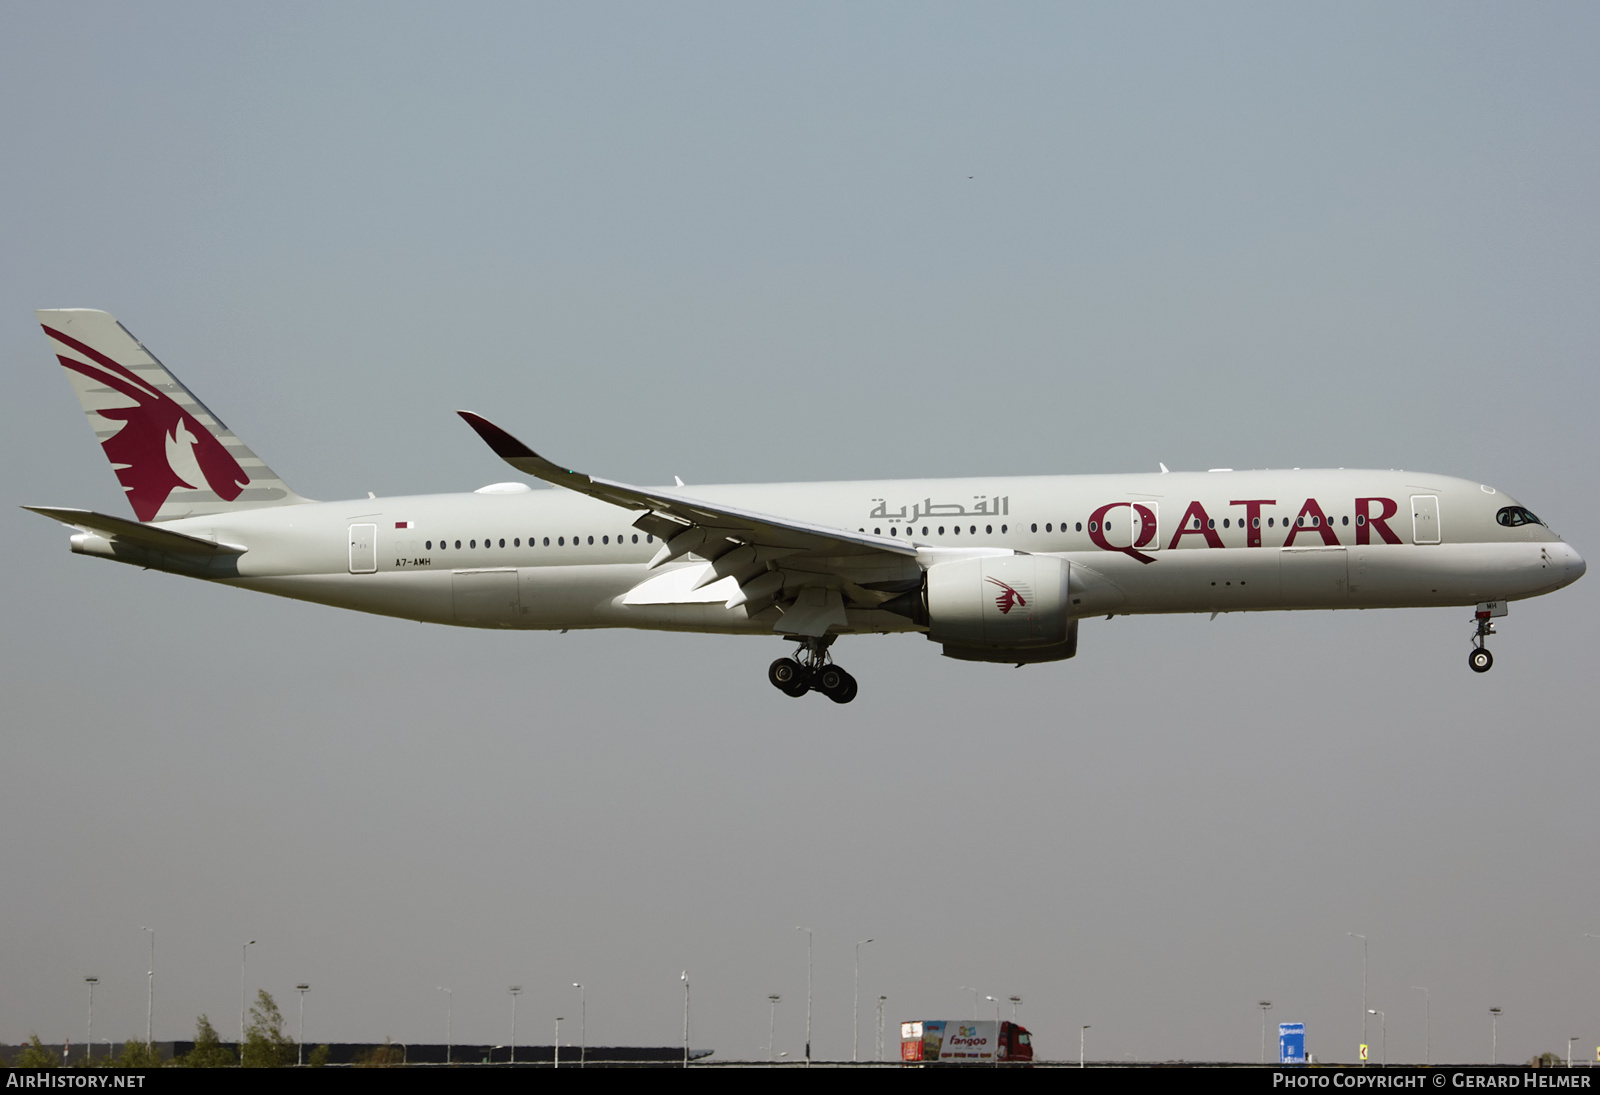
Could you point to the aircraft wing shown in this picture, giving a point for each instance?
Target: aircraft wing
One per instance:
(811, 571)
(685, 513)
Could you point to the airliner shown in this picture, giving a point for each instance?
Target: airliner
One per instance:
(993, 569)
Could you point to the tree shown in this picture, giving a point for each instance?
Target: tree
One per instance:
(265, 1043)
(34, 1055)
(319, 1056)
(138, 1055)
(208, 1051)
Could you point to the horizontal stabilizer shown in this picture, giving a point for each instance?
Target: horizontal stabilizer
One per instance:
(148, 536)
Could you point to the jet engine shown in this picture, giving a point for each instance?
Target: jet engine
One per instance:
(1001, 608)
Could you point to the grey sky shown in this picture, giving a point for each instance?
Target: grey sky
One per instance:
(777, 242)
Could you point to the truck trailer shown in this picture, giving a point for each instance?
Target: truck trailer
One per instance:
(958, 1042)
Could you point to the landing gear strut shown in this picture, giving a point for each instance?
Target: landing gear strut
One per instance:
(1480, 659)
(811, 668)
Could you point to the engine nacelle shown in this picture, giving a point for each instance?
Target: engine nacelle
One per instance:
(1005, 601)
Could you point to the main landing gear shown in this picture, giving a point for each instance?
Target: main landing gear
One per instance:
(1480, 659)
(811, 669)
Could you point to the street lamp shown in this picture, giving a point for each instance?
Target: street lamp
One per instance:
(1015, 1000)
(808, 992)
(1081, 1032)
(855, 1008)
(772, 1024)
(684, 977)
(557, 1063)
(1574, 1038)
(449, 1020)
(881, 999)
(515, 991)
(1427, 1024)
(1494, 1035)
(583, 1025)
(88, 1044)
(1265, 1006)
(244, 951)
(300, 1049)
(1383, 1025)
(150, 993)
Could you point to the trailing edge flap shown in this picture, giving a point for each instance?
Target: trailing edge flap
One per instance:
(148, 536)
(726, 521)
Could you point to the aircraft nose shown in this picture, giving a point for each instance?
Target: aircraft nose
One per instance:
(1572, 563)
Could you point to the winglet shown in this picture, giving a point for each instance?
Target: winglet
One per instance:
(504, 445)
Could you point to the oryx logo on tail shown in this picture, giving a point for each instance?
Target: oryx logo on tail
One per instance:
(160, 446)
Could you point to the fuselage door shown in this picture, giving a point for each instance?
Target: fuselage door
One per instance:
(363, 549)
(1133, 524)
(1424, 519)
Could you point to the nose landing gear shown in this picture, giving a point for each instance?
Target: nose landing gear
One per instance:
(810, 669)
(1480, 659)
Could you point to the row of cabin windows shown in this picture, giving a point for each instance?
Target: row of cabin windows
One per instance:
(534, 541)
(972, 530)
(1094, 526)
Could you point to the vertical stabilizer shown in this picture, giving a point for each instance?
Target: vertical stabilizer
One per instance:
(173, 457)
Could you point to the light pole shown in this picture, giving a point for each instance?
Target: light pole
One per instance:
(1494, 1035)
(583, 1024)
(684, 977)
(855, 1008)
(1081, 1032)
(300, 1049)
(1355, 935)
(1015, 1000)
(1383, 1025)
(808, 992)
(974, 992)
(1574, 1038)
(244, 951)
(1427, 1024)
(88, 1044)
(1265, 1006)
(449, 1021)
(150, 993)
(772, 1024)
(881, 999)
(515, 991)
(557, 1063)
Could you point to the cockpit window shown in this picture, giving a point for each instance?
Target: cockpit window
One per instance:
(1512, 516)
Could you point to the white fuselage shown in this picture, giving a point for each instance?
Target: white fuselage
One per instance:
(514, 557)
